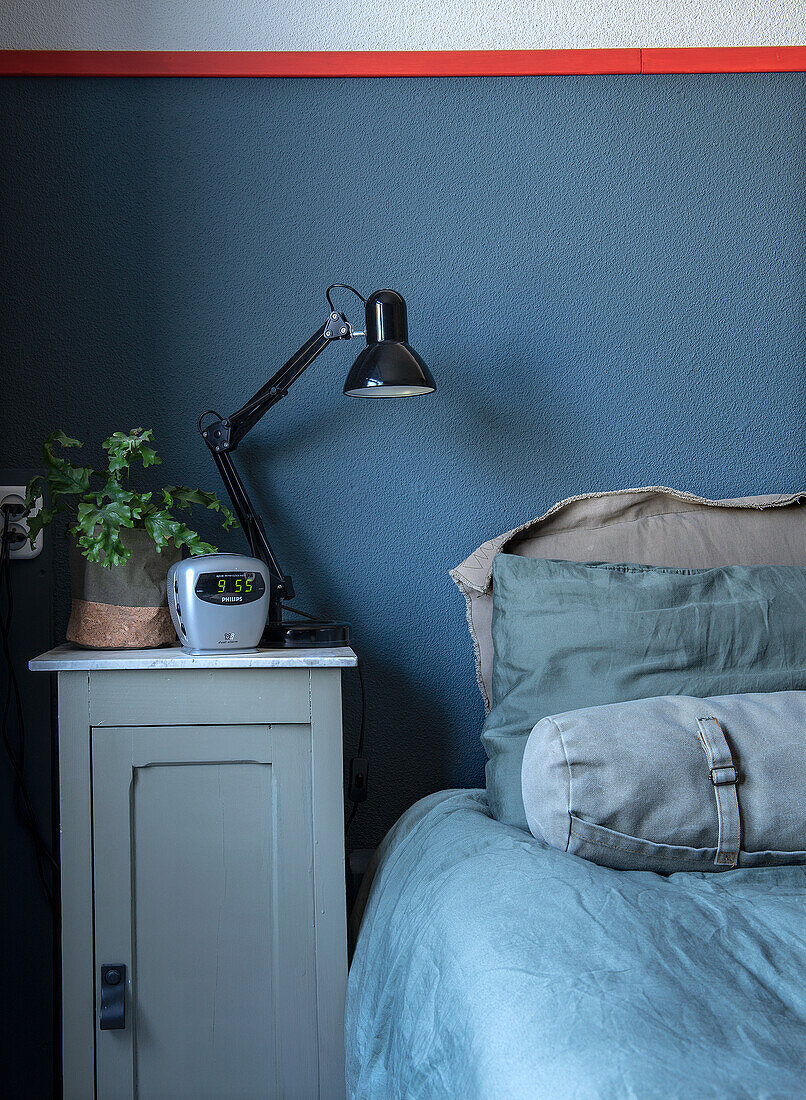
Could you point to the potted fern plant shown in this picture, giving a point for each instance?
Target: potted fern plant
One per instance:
(122, 540)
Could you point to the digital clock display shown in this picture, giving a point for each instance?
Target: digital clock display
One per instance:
(229, 588)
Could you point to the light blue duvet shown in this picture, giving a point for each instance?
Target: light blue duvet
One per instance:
(490, 966)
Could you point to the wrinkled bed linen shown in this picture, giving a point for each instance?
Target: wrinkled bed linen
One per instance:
(491, 966)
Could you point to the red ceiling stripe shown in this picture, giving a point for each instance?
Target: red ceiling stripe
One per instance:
(317, 62)
(732, 59)
(360, 63)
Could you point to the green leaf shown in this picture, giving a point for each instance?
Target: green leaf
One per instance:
(87, 518)
(104, 545)
(122, 448)
(196, 546)
(114, 493)
(149, 457)
(33, 491)
(164, 528)
(181, 496)
(115, 514)
(64, 440)
(38, 521)
(63, 478)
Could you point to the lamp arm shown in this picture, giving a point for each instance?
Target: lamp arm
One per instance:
(223, 436)
(279, 384)
(253, 529)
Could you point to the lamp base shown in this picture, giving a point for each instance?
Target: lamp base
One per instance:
(305, 634)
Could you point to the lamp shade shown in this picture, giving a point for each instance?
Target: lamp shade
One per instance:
(388, 366)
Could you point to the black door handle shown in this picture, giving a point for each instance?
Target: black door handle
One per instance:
(113, 997)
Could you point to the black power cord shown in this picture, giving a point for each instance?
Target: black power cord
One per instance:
(359, 765)
(46, 862)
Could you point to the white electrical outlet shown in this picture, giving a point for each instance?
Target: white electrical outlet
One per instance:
(20, 545)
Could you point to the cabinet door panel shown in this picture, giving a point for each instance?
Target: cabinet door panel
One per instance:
(202, 844)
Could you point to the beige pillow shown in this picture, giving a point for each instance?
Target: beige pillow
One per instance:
(650, 526)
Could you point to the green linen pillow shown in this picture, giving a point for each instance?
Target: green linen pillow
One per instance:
(569, 635)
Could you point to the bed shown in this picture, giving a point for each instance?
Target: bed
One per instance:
(489, 964)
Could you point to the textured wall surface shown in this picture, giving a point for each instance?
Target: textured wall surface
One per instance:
(397, 24)
(605, 275)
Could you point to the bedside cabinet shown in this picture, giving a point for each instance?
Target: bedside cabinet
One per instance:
(202, 873)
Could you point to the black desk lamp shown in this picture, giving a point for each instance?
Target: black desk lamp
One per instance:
(386, 367)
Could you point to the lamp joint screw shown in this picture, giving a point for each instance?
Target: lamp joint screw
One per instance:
(334, 316)
(343, 329)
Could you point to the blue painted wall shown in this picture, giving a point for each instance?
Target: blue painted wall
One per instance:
(606, 276)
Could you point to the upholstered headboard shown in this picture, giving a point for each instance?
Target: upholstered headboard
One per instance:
(649, 526)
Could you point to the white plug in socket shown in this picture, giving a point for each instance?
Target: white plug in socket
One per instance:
(18, 523)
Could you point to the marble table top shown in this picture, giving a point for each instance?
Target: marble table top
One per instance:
(70, 658)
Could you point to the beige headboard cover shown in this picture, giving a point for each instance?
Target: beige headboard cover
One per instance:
(650, 526)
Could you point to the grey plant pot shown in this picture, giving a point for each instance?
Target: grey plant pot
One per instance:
(125, 607)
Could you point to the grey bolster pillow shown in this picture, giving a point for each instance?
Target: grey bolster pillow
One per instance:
(673, 783)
